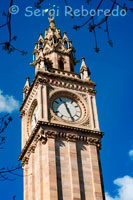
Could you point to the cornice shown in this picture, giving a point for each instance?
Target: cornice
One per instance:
(49, 77)
(44, 130)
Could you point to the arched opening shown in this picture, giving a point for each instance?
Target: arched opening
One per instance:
(48, 63)
(71, 67)
(54, 40)
(32, 116)
(61, 64)
(66, 45)
(40, 45)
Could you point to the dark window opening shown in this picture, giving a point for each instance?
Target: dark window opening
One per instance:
(48, 63)
(55, 40)
(40, 45)
(65, 43)
(61, 64)
(72, 67)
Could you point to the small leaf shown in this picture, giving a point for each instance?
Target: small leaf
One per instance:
(23, 53)
(91, 28)
(97, 50)
(14, 38)
(110, 43)
(76, 27)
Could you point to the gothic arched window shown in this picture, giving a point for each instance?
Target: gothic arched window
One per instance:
(72, 67)
(61, 64)
(48, 63)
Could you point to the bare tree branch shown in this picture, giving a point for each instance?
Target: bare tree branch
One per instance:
(7, 45)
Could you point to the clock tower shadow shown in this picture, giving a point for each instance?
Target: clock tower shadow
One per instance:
(58, 144)
(79, 148)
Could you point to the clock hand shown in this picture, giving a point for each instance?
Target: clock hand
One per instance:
(68, 110)
(35, 117)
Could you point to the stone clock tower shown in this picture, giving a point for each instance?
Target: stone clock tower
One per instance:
(60, 131)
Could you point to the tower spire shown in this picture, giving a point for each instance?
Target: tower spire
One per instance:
(26, 87)
(84, 70)
(54, 51)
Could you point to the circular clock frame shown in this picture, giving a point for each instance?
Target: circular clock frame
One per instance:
(74, 97)
(34, 118)
(30, 113)
(67, 109)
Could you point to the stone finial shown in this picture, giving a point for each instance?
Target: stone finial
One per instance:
(40, 38)
(58, 33)
(27, 84)
(52, 23)
(46, 35)
(26, 87)
(36, 45)
(65, 38)
(84, 70)
(70, 44)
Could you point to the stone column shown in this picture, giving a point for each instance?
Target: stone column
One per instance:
(91, 111)
(24, 130)
(95, 170)
(75, 189)
(44, 103)
(63, 170)
(67, 64)
(40, 103)
(37, 173)
(31, 178)
(49, 170)
(95, 112)
(55, 60)
(85, 175)
(26, 188)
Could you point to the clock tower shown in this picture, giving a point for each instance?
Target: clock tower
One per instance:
(61, 138)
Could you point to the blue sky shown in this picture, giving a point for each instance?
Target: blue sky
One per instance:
(111, 69)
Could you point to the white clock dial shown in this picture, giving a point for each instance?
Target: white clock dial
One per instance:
(34, 118)
(66, 109)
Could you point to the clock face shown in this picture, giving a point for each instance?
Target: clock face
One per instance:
(34, 118)
(67, 109)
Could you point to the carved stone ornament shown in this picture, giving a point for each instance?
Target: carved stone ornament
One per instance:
(67, 133)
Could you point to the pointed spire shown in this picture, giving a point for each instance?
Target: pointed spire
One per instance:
(83, 64)
(27, 83)
(26, 87)
(84, 70)
(70, 44)
(36, 45)
(65, 38)
(52, 42)
(40, 38)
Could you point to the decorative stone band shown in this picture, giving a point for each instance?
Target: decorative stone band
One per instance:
(71, 137)
(67, 85)
(44, 130)
(57, 78)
